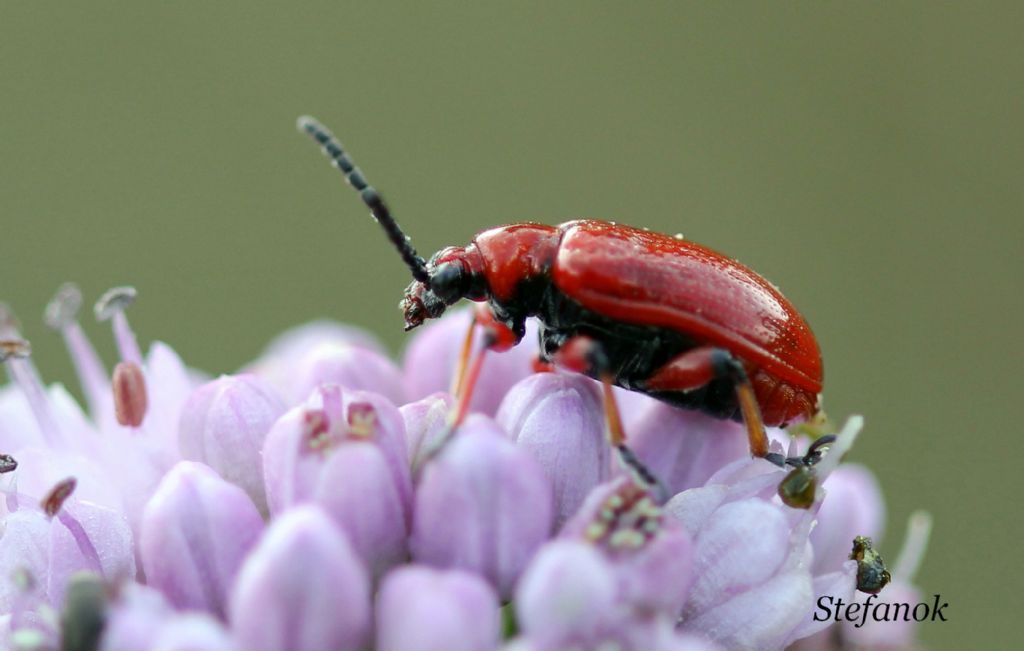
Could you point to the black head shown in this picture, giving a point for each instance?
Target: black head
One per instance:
(452, 274)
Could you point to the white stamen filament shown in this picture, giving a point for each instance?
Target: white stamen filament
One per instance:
(62, 314)
(838, 449)
(919, 529)
(112, 306)
(23, 373)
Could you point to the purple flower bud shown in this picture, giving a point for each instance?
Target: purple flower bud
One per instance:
(170, 383)
(426, 423)
(559, 419)
(748, 557)
(482, 505)
(280, 358)
(135, 618)
(354, 368)
(570, 597)
(684, 448)
(651, 553)
(223, 424)
(836, 585)
(853, 506)
(302, 589)
(568, 587)
(48, 548)
(419, 608)
(24, 547)
(196, 530)
(893, 634)
(358, 491)
(346, 452)
(433, 354)
(621, 632)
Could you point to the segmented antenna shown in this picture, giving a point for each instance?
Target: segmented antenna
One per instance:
(354, 176)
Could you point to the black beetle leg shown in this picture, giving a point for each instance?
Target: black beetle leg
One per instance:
(584, 355)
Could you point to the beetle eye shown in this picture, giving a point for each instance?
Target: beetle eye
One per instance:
(448, 282)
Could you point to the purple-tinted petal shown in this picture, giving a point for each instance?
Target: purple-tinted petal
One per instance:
(852, 507)
(358, 491)
(483, 505)
(277, 362)
(895, 633)
(758, 619)
(433, 354)
(423, 609)
(169, 385)
(568, 587)
(41, 468)
(836, 585)
(623, 632)
(426, 423)
(284, 359)
(558, 418)
(290, 471)
(302, 589)
(134, 620)
(741, 545)
(86, 536)
(24, 546)
(196, 531)
(18, 428)
(223, 424)
(570, 597)
(684, 448)
(193, 632)
(659, 577)
(351, 367)
(48, 551)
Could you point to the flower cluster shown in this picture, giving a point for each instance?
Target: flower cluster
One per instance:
(307, 503)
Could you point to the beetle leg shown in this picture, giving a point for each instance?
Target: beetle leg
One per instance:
(541, 365)
(697, 367)
(459, 377)
(585, 355)
(496, 336)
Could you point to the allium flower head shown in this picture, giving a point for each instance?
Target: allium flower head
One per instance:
(323, 499)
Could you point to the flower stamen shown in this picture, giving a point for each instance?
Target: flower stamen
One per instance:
(362, 420)
(54, 500)
(62, 315)
(317, 432)
(130, 400)
(111, 307)
(908, 561)
(15, 354)
(627, 520)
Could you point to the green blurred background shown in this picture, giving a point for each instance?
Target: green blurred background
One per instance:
(865, 157)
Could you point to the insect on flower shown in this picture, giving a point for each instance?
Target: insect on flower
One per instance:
(644, 311)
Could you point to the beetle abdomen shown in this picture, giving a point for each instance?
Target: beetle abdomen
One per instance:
(643, 278)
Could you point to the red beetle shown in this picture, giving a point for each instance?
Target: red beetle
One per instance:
(645, 311)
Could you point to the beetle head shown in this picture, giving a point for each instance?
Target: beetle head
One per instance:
(452, 274)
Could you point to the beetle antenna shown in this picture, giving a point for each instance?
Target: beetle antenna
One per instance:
(354, 176)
